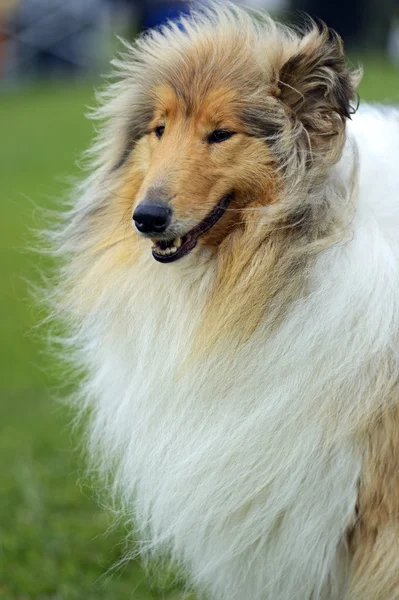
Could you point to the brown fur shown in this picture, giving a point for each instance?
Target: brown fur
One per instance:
(316, 86)
(311, 97)
(195, 174)
(287, 100)
(375, 538)
(287, 108)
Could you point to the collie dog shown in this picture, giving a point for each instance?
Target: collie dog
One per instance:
(231, 288)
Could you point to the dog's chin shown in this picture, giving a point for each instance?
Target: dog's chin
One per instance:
(168, 251)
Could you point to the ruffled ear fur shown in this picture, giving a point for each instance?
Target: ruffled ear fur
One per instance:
(318, 88)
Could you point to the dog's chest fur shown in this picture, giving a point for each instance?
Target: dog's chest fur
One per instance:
(240, 465)
(244, 465)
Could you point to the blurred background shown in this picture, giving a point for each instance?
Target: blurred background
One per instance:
(54, 538)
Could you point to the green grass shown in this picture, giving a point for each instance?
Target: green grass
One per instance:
(53, 543)
(381, 80)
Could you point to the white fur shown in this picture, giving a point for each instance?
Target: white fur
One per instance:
(245, 468)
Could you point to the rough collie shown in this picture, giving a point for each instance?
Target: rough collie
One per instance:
(231, 286)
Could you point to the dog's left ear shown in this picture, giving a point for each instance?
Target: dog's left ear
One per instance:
(317, 87)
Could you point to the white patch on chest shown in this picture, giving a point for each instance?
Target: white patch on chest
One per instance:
(240, 466)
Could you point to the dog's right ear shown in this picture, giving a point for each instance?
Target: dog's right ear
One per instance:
(317, 87)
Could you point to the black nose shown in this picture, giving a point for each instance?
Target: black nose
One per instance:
(151, 217)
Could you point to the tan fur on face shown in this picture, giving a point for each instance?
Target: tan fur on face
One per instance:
(284, 95)
(195, 174)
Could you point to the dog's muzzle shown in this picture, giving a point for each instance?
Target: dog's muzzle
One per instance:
(166, 251)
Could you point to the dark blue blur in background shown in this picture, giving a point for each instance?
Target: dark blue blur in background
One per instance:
(51, 38)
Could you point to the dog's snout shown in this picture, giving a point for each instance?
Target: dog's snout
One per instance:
(151, 217)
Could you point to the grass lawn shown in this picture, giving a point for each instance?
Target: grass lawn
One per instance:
(53, 540)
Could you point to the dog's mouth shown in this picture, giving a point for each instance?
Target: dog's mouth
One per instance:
(167, 251)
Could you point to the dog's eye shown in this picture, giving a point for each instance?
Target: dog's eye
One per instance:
(159, 131)
(219, 135)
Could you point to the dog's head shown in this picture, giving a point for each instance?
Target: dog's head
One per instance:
(217, 117)
(200, 164)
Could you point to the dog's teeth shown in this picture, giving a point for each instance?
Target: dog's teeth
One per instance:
(157, 247)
